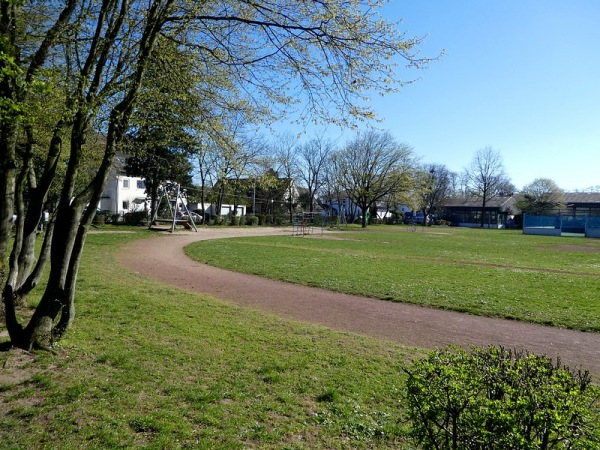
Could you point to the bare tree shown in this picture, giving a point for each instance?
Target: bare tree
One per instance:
(312, 159)
(485, 177)
(232, 159)
(285, 155)
(371, 167)
(332, 190)
(435, 185)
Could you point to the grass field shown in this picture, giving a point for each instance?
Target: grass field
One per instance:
(548, 280)
(150, 366)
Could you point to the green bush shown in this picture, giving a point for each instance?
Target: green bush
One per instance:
(251, 220)
(100, 219)
(235, 221)
(218, 220)
(103, 217)
(499, 399)
(136, 218)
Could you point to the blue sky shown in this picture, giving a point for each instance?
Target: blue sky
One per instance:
(519, 76)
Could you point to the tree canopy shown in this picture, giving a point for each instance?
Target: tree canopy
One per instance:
(261, 59)
(372, 166)
(541, 196)
(485, 177)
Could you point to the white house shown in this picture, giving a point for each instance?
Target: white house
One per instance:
(123, 193)
(209, 209)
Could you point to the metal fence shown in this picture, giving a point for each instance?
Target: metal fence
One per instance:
(559, 225)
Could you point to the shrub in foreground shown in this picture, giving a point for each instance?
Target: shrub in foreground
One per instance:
(496, 398)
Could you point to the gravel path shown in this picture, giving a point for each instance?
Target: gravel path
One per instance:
(163, 258)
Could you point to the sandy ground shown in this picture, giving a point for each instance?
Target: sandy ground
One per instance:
(163, 258)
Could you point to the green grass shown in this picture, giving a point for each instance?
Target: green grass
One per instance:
(486, 272)
(151, 366)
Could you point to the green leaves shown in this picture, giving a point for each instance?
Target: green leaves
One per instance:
(11, 109)
(501, 399)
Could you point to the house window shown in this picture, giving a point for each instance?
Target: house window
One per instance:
(126, 205)
(141, 184)
(125, 184)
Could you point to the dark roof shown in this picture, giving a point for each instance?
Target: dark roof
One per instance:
(582, 197)
(475, 202)
(119, 162)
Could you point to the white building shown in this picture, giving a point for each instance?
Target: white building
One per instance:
(123, 193)
(210, 209)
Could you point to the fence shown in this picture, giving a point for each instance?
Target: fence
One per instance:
(559, 225)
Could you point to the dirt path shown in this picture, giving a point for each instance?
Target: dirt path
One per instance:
(163, 258)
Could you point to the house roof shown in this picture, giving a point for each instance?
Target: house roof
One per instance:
(475, 202)
(582, 197)
(119, 163)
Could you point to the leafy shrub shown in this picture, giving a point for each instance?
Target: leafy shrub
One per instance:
(251, 220)
(218, 220)
(100, 219)
(136, 218)
(235, 221)
(498, 399)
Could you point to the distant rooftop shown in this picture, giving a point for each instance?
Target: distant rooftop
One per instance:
(582, 197)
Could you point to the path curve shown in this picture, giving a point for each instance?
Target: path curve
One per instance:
(163, 258)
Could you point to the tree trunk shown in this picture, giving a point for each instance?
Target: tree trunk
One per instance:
(153, 202)
(365, 211)
(219, 200)
(8, 170)
(290, 205)
(8, 133)
(13, 94)
(482, 225)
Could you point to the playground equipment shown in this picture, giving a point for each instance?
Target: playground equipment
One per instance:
(179, 213)
(305, 223)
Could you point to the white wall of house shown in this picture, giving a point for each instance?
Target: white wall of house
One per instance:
(123, 194)
(225, 209)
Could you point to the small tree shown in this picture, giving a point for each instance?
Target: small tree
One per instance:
(432, 187)
(284, 151)
(541, 196)
(498, 399)
(485, 177)
(371, 167)
(312, 159)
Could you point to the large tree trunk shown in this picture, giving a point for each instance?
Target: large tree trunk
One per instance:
(8, 131)
(8, 171)
(365, 211)
(482, 224)
(74, 217)
(76, 209)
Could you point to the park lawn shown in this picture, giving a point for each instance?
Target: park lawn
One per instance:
(497, 273)
(151, 366)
